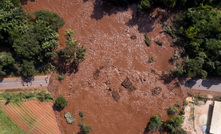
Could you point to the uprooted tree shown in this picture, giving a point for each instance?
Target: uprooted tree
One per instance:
(72, 54)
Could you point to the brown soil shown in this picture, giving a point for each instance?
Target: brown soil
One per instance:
(33, 116)
(116, 88)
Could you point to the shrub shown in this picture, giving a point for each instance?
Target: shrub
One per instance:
(178, 131)
(81, 114)
(61, 101)
(70, 119)
(154, 123)
(80, 124)
(174, 57)
(61, 77)
(150, 60)
(160, 43)
(147, 40)
(182, 112)
(173, 124)
(185, 103)
(43, 96)
(200, 98)
(177, 105)
(217, 98)
(177, 72)
(176, 121)
(86, 129)
(172, 110)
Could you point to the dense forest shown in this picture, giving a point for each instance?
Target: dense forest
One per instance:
(28, 41)
(183, 4)
(198, 32)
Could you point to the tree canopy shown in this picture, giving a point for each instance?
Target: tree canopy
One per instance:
(198, 31)
(30, 40)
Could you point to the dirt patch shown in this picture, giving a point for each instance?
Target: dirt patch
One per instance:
(202, 116)
(112, 57)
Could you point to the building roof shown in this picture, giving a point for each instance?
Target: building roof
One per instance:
(215, 127)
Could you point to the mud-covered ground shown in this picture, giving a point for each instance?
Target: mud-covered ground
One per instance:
(116, 88)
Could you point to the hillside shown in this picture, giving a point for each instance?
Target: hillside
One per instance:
(116, 87)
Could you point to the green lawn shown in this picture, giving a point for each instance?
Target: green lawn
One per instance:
(7, 126)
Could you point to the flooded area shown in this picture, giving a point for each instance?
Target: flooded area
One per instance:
(116, 87)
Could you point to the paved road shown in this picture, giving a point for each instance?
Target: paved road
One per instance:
(19, 82)
(203, 84)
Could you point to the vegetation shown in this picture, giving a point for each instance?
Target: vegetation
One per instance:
(72, 52)
(172, 110)
(177, 105)
(173, 124)
(198, 30)
(61, 77)
(154, 124)
(43, 96)
(174, 57)
(185, 103)
(150, 60)
(182, 112)
(160, 43)
(30, 39)
(217, 98)
(70, 119)
(85, 129)
(144, 4)
(8, 126)
(81, 114)
(61, 101)
(147, 40)
(20, 97)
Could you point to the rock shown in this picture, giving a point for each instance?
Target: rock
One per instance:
(116, 96)
(156, 91)
(96, 74)
(128, 85)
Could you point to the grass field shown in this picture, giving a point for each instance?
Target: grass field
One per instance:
(7, 126)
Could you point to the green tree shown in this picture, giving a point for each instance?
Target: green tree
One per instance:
(86, 129)
(32, 38)
(176, 121)
(72, 52)
(61, 101)
(155, 124)
(6, 64)
(172, 110)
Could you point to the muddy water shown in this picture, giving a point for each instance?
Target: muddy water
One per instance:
(105, 32)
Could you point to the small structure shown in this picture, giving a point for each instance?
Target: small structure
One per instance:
(215, 127)
(189, 100)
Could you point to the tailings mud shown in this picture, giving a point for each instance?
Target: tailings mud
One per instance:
(112, 58)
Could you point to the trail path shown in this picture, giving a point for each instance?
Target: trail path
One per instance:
(20, 83)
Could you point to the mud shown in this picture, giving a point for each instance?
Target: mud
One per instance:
(113, 56)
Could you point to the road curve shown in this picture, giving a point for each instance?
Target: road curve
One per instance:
(20, 83)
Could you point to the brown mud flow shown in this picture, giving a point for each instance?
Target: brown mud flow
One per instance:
(116, 88)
